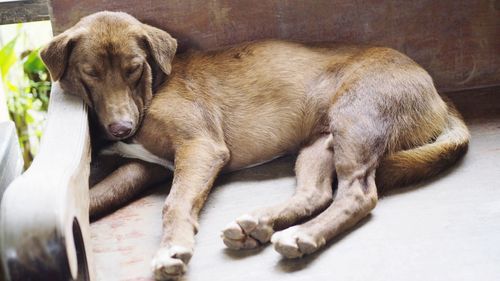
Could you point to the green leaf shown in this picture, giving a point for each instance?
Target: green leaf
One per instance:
(29, 119)
(13, 88)
(27, 86)
(7, 57)
(33, 64)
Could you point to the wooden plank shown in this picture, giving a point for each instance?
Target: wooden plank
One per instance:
(44, 223)
(23, 11)
(11, 160)
(4, 112)
(457, 41)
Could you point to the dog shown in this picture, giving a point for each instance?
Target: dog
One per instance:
(368, 116)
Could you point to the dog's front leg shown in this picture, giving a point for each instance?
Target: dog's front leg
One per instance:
(122, 185)
(197, 163)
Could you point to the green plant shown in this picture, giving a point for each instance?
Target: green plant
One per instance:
(27, 89)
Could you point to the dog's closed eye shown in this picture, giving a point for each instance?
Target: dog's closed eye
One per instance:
(134, 69)
(90, 72)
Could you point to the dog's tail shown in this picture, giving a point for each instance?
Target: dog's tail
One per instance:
(410, 166)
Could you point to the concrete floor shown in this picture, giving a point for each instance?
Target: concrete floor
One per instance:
(445, 229)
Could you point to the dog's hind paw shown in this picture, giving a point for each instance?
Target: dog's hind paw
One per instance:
(170, 263)
(294, 243)
(246, 232)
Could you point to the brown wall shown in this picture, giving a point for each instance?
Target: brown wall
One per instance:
(457, 41)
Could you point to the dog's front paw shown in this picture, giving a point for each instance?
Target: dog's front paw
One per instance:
(246, 232)
(171, 262)
(295, 242)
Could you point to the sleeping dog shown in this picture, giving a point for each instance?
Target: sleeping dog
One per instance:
(369, 116)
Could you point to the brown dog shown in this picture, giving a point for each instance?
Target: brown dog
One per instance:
(350, 111)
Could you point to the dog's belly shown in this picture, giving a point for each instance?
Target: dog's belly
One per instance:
(137, 151)
(268, 130)
(263, 138)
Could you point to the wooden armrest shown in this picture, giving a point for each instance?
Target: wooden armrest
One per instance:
(11, 161)
(44, 225)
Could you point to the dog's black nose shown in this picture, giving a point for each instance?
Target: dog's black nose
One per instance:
(120, 129)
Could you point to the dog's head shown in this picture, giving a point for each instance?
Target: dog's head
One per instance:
(113, 62)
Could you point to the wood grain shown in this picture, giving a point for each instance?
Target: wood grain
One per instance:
(11, 160)
(23, 11)
(44, 213)
(4, 112)
(457, 41)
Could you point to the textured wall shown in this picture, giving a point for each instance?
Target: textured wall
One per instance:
(23, 11)
(457, 41)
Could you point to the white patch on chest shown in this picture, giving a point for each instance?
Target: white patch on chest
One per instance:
(136, 151)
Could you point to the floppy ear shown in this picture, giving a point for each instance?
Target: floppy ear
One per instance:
(56, 54)
(162, 47)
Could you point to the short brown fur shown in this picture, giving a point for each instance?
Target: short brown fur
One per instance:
(368, 115)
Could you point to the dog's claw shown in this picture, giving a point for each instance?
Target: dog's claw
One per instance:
(233, 231)
(294, 243)
(247, 223)
(246, 232)
(170, 263)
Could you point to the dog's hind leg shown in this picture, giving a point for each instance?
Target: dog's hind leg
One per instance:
(315, 171)
(123, 184)
(359, 137)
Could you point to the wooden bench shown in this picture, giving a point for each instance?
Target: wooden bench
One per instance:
(44, 221)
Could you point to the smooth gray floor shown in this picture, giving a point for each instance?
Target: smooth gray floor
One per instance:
(444, 229)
